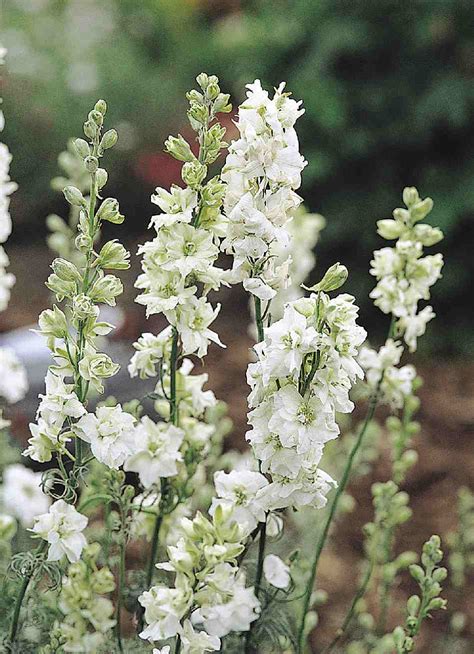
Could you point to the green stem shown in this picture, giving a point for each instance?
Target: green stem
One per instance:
(348, 619)
(332, 512)
(121, 585)
(21, 596)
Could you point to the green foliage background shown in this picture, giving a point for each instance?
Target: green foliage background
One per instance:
(388, 88)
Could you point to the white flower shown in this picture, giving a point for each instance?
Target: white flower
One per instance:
(59, 402)
(177, 204)
(415, 326)
(150, 348)
(164, 650)
(198, 642)
(276, 572)
(240, 491)
(164, 608)
(193, 323)
(110, 432)
(236, 614)
(13, 380)
(45, 439)
(62, 528)
(22, 494)
(156, 451)
(301, 421)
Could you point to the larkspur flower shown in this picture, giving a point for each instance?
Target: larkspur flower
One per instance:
(62, 528)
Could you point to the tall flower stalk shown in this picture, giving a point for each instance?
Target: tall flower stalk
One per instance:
(404, 277)
(71, 335)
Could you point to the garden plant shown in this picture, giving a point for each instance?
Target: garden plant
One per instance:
(232, 540)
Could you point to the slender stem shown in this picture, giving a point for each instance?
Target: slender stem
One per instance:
(258, 318)
(339, 492)
(332, 512)
(154, 548)
(121, 585)
(21, 595)
(348, 619)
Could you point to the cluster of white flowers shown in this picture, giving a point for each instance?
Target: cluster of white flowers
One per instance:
(59, 404)
(404, 276)
(209, 598)
(305, 368)
(262, 172)
(7, 187)
(394, 384)
(13, 384)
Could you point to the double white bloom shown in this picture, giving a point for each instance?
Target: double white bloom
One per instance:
(262, 172)
(62, 528)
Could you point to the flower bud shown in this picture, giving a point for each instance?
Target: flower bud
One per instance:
(222, 104)
(91, 163)
(96, 117)
(179, 148)
(82, 148)
(105, 289)
(417, 573)
(193, 173)
(390, 228)
(74, 197)
(421, 209)
(114, 256)
(109, 139)
(101, 106)
(60, 287)
(109, 210)
(83, 307)
(90, 129)
(66, 270)
(333, 279)
(410, 196)
(212, 90)
(83, 242)
(52, 322)
(203, 80)
(101, 177)
(198, 115)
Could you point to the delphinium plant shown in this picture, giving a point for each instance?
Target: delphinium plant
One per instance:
(221, 568)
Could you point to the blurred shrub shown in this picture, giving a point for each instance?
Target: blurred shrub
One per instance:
(388, 89)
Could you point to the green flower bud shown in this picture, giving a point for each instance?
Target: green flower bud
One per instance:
(212, 90)
(421, 209)
(109, 210)
(105, 289)
(333, 279)
(82, 147)
(83, 242)
(222, 104)
(203, 80)
(91, 163)
(90, 129)
(74, 197)
(109, 139)
(95, 366)
(96, 117)
(52, 322)
(101, 107)
(417, 573)
(60, 287)
(410, 196)
(198, 115)
(179, 148)
(83, 307)
(114, 256)
(56, 224)
(428, 235)
(101, 178)
(390, 229)
(402, 216)
(436, 604)
(66, 270)
(193, 173)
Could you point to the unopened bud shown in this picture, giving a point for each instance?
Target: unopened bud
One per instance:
(101, 106)
(333, 279)
(109, 139)
(74, 196)
(82, 148)
(91, 163)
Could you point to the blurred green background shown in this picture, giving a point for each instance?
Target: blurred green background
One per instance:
(388, 88)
